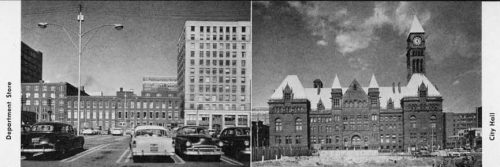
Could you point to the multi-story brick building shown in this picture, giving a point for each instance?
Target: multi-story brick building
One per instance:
(456, 123)
(126, 110)
(214, 73)
(47, 100)
(391, 118)
(31, 64)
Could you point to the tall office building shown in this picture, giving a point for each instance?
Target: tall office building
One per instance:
(31, 64)
(214, 73)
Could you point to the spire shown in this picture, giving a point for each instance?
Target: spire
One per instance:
(416, 27)
(336, 83)
(373, 82)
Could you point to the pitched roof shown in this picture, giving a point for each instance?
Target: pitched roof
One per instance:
(314, 97)
(373, 82)
(415, 81)
(294, 83)
(336, 83)
(416, 27)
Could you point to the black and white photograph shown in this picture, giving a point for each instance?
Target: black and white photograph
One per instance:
(367, 84)
(135, 83)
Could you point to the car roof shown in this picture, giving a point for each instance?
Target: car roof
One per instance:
(149, 127)
(245, 128)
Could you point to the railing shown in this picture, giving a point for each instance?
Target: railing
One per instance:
(271, 153)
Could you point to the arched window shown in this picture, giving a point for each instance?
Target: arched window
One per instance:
(277, 124)
(298, 124)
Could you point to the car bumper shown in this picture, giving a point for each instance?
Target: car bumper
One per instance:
(246, 151)
(203, 151)
(37, 150)
(147, 153)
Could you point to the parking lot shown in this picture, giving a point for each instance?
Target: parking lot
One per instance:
(107, 150)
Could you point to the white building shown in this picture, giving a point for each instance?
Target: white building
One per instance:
(214, 73)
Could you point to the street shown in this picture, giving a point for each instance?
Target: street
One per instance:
(106, 150)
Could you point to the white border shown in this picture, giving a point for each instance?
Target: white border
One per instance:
(490, 80)
(10, 66)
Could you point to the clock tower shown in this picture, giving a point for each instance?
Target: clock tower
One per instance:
(415, 56)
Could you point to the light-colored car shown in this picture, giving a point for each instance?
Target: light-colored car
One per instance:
(151, 140)
(88, 132)
(116, 132)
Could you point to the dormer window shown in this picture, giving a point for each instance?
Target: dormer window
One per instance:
(422, 90)
(287, 93)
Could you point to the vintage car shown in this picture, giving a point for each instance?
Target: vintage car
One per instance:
(195, 140)
(50, 137)
(151, 141)
(89, 132)
(236, 141)
(116, 132)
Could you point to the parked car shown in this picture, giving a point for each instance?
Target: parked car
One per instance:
(129, 132)
(195, 140)
(50, 137)
(236, 141)
(151, 141)
(116, 132)
(89, 132)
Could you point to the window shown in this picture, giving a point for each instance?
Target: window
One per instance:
(192, 28)
(201, 28)
(298, 124)
(278, 140)
(278, 124)
(298, 139)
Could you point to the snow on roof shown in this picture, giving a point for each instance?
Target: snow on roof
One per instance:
(324, 95)
(336, 83)
(387, 93)
(415, 81)
(294, 83)
(373, 82)
(416, 27)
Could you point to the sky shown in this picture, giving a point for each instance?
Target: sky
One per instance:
(317, 40)
(147, 46)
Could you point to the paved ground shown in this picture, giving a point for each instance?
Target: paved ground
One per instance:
(113, 151)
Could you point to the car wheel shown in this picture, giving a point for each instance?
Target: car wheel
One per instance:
(80, 146)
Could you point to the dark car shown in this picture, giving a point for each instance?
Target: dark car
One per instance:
(50, 137)
(195, 140)
(236, 141)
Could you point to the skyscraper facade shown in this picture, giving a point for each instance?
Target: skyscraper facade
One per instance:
(214, 73)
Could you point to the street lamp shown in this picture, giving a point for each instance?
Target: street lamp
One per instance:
(80, 34)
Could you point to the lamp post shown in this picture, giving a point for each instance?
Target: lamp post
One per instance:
(80, 18)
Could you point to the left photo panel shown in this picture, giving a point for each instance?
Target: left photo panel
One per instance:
(129, 83)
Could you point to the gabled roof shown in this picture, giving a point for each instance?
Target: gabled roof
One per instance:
(415, 81)
(294, 83)
(324, 96)
(336, 83)
(416, 27)
(373, 82)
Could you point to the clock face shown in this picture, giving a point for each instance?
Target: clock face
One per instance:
(417, 40)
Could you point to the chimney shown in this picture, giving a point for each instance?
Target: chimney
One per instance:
(102, 94)
(393, 87)
(82, 88)
(399, 87)
(121, 89)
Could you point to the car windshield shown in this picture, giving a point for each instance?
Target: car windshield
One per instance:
(42, 128)
(151, 133)
(243, 132)
(195, 131)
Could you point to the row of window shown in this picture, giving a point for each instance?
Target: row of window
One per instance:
(220, 28)
(213, 98)
(44, 88)
(216, 118)
(288, 140)
(192, 106)
(111, 115)
(43, 95)
(213, 79)
(48, 102)
(208, 62)
(221, 88)
(227, 46)
(132, 104)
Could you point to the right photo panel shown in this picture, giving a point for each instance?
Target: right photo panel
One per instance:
(366, 84)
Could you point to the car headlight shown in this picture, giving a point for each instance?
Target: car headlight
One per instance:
(247, 143)
(220, 144)
(188, 143)
(133, 144)
(44, 142)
